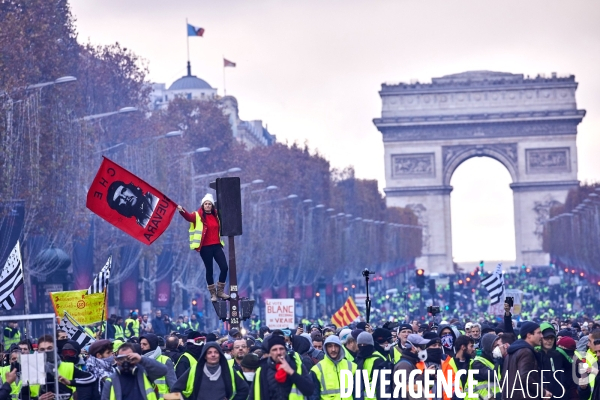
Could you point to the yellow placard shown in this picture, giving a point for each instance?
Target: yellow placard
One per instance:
(85, 308)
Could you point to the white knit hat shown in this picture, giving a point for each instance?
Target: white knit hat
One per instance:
(208, 197)
(344, 334)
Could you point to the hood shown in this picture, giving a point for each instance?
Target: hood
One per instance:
(202, 360)
(300, 344)
(487, 341)
(582, 344)
(455, 332)
(152, 340)
(307, 336)
(335, 340)
(518, 345)
(194, 349)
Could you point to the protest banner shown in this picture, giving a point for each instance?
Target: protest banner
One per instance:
(280, 313)
(498, 308)
(85, 308)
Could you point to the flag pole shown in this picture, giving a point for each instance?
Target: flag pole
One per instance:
(74, 322)
(187, 37)
(104, 313)
(224, 87)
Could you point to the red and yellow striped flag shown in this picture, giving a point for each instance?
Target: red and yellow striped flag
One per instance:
(345, 315)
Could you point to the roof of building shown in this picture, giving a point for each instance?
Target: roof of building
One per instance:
(189, 82)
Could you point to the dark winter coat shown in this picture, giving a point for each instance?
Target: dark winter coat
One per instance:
(240, 382)
(522, 361)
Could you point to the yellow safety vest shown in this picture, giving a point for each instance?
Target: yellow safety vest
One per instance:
(480, 389)
(590, 360)
(161, 383)
(13, 340)
(15, 387)
(347, 355)
(34, 390)
(136, 327)
(195, 325)
(395, 356)
(196, 232)
(90, 332)
(189, 387)
(148, 390)
(368, 365)
(295, 394)
(119, 332)
(192, 360)
(328, 375)
(66, 370)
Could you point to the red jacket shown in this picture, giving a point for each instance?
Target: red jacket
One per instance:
(191, 217)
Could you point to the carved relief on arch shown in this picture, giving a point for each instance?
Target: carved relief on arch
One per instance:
(453, 156)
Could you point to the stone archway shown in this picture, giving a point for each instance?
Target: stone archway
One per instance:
(527, 124)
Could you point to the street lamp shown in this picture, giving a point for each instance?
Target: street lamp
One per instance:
(198, 150)
(166, 136)
(123, 110)
(227, 171)
(62, 79)
(272, 187)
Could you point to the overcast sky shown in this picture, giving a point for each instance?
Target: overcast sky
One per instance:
(311, 70)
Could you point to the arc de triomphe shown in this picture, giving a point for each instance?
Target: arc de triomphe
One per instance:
(527, 124)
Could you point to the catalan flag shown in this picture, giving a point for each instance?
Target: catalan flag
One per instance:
(345, 315)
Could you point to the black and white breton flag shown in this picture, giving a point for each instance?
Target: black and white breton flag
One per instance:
(75, 332)
(101, 280)
(494, 284)
(11, 278)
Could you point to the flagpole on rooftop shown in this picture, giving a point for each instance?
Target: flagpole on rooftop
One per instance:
(224, 88)
(187, 37)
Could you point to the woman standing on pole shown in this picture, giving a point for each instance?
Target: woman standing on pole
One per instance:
(205, 238)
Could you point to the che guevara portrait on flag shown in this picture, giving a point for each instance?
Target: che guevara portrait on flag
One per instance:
(129, 203)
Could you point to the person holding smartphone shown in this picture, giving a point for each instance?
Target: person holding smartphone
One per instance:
(134, 373)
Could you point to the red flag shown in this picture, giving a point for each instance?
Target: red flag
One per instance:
(129, 203)
(227, 63)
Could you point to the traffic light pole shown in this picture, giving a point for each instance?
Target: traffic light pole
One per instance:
(420, 301)
(234, 308)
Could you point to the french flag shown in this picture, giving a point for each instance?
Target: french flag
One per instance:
(194, 30)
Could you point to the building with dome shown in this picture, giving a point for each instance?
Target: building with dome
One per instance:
(250, 133)
(188, 86)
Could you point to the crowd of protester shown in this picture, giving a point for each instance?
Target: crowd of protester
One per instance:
(305, 361)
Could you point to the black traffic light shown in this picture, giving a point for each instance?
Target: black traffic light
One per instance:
(420, 278)
(431, 286)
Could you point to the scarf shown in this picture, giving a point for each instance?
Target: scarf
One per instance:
(100, 367)
(154, 354)
(280, 374)
(212, 376)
